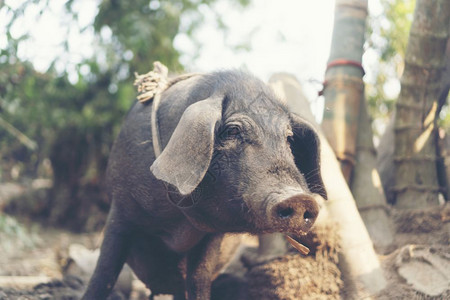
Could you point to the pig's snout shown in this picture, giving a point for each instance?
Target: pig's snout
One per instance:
(297, 213)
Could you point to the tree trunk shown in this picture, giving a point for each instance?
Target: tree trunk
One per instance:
(343, 87)
(366, 184)
(385, 160)
(443, 145)
(358, 259)
(444, 162)
(417, 107)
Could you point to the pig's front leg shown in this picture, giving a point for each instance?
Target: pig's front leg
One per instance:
(113, 254)
(202, 264)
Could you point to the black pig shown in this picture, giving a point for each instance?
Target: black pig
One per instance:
(234, 160)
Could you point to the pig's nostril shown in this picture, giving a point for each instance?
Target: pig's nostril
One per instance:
(307, 216)
(285, 212)
(297, 211)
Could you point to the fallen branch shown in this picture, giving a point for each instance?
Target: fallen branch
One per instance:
(29, 143)
(23, 282)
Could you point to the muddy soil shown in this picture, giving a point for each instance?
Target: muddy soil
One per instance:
(417, 265)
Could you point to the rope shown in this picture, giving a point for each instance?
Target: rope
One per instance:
(151, 86)
(152, 83)
(345, 62)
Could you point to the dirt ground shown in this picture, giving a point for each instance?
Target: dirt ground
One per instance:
(42, 263)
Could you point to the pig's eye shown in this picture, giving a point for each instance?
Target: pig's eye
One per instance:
(231, 132)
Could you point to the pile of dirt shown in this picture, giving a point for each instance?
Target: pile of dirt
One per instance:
(294, 276)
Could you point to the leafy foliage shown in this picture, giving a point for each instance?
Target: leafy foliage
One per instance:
(73, 112)
(388, 37)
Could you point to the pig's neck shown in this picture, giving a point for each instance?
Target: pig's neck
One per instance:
(183, 236)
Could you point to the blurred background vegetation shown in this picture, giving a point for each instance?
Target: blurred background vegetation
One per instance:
(57, 125)
(60, 124)
(387, 36)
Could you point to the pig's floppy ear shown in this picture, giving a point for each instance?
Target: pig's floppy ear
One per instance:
(305, 147)
(186, 158)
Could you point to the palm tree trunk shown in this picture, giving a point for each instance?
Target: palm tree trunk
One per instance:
(417, 107)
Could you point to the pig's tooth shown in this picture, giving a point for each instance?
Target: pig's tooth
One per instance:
(301, 248)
